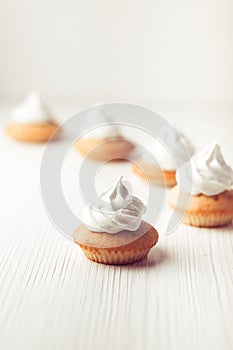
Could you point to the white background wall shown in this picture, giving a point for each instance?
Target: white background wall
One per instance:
(129, 50)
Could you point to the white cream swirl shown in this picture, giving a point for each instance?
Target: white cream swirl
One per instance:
(97, 115)
(31, 111)
(178, 149)
(207, 173)
(118, 210)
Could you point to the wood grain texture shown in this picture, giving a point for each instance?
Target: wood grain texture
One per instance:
(51, 297)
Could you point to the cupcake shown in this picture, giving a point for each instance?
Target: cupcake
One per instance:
(105, 142)
(114, 232)
(206, 184)
(159, 165)
(31, 121)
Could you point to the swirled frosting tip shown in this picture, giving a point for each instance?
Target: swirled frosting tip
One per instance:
(116, 211)
(170, 150)
(31, 111)
(100, 125)
(207, 173)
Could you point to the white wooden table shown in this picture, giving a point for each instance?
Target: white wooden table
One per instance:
(51, 297)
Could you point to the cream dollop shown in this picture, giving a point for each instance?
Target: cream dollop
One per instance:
(118, 210)
(98, 115)
(31, 111)
(207, 173)
(178, 149)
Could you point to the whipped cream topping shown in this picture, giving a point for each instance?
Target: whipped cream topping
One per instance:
(178, 149)
(209, 175)
(97, 115)
(31, 111)
(117, 210)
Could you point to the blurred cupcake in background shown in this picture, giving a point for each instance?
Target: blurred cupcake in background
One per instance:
(206, 183)
(103, 142)
(160, 162)
(31, 121)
